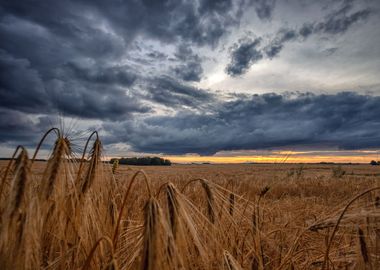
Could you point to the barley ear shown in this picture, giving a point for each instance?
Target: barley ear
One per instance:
(210, 201)
(94, 163)
(151, 231)
(172, 208)
(51, 174)
(20, 180)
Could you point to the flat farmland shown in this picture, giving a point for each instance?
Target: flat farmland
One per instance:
(208, 216)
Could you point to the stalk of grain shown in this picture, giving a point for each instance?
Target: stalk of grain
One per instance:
(20, 180)
(257, 228)
(124, 202)
(58, 134)
(95, 155)
(87, 263)
(152, 217)
(184, 229)
(327, 252)
(13, 219)
(115, 165)
(8, 169)
(232, 203)
(172, 209)
(230, 262)
(377, 247)
(82, 160)
(363, 249)
(112, 265)
(210, 201)
(60, 152)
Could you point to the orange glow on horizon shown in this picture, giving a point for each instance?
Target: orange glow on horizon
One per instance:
(335, 156)
(279, 157)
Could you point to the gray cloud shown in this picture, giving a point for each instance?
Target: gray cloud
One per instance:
(157, 55)
(191, 71)
(51, 65)
(339, 21)
(122, 75)
(264, 8)
(345, 120)
(171, 93)
(276, 45)
(190, 68)
(80, 93)
(19, 128)
(75, 57)
(74, 99)
(166, 20)
(16, 93)
(243, 56)
(306, 30)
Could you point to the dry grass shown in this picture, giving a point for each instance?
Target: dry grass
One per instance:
(84, 214)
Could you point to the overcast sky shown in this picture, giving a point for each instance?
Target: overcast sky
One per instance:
(201, 77)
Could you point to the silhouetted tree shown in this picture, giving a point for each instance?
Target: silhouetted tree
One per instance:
(373, 162)
(143, 161)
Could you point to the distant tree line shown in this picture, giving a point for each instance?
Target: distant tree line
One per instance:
(143, 161)
(374, 162)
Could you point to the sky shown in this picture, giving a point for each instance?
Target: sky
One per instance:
(196, 81)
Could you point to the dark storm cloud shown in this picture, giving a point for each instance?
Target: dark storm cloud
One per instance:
(345, 120)
(218, 5)
(339, 21)
(264, 8)
(244, 54)
(122, 75)
(191, 71)
(17, 127)
(81, 93)
(336, 22)
(166, 20)
(190, 68)
(171, 93)
(55, 67)
(157, 55)
(276, 45)
(306, 30)
(72, 56)
(27, 94)
(113, 106)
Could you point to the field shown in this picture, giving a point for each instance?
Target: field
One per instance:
(85, 214)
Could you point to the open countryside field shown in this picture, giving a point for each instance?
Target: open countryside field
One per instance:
(190, 135)
(66, 214)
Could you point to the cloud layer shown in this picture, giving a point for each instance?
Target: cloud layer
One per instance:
(247, 52)
(144, 72)
(345, 120)
(93, 52)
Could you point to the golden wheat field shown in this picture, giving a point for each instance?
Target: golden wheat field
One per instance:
(75, 212)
